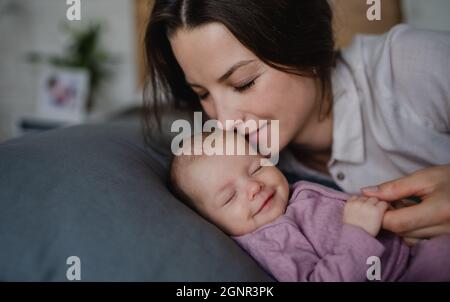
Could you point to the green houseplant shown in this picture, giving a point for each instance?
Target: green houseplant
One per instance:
(84, 50)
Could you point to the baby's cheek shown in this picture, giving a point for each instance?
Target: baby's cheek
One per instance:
(239, 215)
(271, 177)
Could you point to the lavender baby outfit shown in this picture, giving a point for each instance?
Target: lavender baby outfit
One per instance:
(310, 243)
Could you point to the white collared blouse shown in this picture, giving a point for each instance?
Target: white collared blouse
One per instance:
(391, 113)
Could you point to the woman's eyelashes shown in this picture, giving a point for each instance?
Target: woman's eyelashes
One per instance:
(245, 86)
(239, 89)
(248, 85)
(203, 96)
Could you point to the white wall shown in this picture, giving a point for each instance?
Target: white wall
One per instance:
(15, 79)
(427, 14)
(34, 25)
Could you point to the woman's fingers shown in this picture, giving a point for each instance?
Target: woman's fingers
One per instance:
(411, 218)
(429, 218)
(428, 232)
(410, 185)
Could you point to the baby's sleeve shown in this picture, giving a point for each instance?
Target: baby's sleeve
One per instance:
(284, 252)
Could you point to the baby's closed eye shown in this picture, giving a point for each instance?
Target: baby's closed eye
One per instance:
(229, 197)
(259, 167)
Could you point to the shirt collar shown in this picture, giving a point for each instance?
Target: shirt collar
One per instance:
(348, 136)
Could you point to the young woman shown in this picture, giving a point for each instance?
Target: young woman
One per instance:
(378, 112)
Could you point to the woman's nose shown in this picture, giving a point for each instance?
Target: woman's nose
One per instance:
(228, 116)
(254, 187)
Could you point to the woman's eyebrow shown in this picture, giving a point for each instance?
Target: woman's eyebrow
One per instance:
(233, 69)
(227, 74)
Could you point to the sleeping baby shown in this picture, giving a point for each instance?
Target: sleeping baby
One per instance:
(304, 231)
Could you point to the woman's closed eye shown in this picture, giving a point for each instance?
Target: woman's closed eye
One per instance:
(203, 96)
(239, 89)
(245, 86)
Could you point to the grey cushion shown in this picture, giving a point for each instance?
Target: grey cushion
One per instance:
(96, 192)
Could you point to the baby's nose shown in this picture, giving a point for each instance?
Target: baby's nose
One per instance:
(253, 190)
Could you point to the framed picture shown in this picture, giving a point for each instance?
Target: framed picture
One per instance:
(63, 94)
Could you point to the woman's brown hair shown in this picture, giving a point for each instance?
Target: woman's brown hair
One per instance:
(294, 36)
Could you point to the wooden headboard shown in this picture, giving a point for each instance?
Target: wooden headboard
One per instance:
(349, 19)
(142, 9)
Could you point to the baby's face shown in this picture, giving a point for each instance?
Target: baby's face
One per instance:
(237, 193)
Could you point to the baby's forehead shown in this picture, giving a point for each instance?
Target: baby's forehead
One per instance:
(224, 160)
(210, 173)
(215, 169)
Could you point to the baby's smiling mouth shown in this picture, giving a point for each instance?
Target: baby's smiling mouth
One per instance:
(266, 199)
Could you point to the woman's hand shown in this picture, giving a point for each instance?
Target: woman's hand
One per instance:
(427, 219)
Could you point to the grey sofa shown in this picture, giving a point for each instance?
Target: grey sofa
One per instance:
(96, 191)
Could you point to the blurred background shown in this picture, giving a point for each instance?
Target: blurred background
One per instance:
(56, 72)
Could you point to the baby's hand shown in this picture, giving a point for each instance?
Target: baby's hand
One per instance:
(366, 213)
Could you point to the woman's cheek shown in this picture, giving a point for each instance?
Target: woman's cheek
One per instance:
(283, 139)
